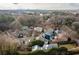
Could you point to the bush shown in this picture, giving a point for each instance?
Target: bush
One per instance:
(68, 21)
(57, 51)
(46, 17)
(4, 27)
(63, 51)
(30, 21)
(38, 52)
(67, 42)
(37, 42)
(7, 45)
(72, 52)
(6, 19)
(53, 51)
(75, 26)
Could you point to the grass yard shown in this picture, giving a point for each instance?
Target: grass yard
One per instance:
(68, 46)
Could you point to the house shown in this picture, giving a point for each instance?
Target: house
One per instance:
(49, 46)
(25, 28)
(36, 47)
(37, 31)
(54, 35)
(45, 47)
(50, 34)
(18, 34)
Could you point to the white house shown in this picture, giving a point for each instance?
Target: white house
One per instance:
(36, 47)
(45, 47)
(38, 29)
(49, 46)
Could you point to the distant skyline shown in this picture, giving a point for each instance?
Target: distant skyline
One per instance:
(43, 6)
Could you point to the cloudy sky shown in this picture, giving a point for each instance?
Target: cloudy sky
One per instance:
(50, 6)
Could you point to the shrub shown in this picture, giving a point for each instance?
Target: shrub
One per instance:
(53, 51)
(68, 21)
(63, 51)
(7, 45)
(38, 52)
(36, 42)
(6, 19)
(46, 17)
(29, 21)
(67, 42)
(75, 26)
(72, 52)
(57, 51)
(3, 27)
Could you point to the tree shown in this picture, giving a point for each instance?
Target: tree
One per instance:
(57, 51)
(29, 21)
(46, 17)
(8, 45)
(68, 21)
(75, 26)
(36, 42)
(53, 51)
(3, 27)
(62, 51)
(6, 19)
(38, 52)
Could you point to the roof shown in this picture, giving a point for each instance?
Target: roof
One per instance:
(45, 47)
(25, 28)
(49, 46)
(36, 47)
(39, 29)
(51, 34)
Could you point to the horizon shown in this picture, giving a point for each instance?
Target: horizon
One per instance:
(39, 6)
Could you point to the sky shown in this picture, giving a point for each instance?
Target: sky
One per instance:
(47, 6)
